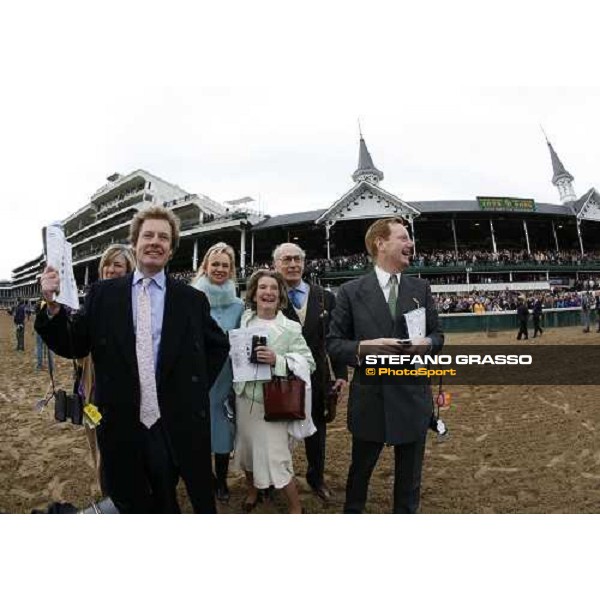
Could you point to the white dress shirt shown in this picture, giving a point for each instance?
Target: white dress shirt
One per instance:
(383, 277)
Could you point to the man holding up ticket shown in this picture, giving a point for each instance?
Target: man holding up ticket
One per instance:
(156, 353)
(386, 309)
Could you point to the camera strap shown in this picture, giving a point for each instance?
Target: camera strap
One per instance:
(51, 393)
(51, 372)
(76, 368)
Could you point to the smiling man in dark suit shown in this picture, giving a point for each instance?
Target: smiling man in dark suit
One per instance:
(156, 352)
(370, 312)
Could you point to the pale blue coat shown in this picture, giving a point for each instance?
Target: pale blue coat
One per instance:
(226, 309)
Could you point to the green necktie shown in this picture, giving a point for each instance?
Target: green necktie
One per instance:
(393, 297)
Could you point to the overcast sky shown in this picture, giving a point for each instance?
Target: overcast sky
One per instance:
(262, 99)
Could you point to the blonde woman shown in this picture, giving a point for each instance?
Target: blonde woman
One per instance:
(215, 278)
(117, 261)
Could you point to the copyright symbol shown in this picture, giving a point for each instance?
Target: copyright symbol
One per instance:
(369, 371)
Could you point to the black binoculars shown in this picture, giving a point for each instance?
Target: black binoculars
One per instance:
(68, 406)
(257, 340)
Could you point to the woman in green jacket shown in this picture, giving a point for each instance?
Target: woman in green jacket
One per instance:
(262, 449)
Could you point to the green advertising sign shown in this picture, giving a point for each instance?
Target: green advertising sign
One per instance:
(506, 204)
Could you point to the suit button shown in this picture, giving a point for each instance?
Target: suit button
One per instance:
(203, 414)
(195, 379)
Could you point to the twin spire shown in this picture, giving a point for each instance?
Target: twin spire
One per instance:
(561, 178)
(366, 170)
(558, 169)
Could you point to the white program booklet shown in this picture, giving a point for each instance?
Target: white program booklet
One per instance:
(59, 254)
(416, 323)
(241, 346)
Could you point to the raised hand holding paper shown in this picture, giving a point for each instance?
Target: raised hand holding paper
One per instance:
(59, 255)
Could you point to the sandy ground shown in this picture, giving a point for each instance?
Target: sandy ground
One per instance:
(529, 449)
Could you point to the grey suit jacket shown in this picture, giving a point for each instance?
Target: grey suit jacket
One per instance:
(392, 414)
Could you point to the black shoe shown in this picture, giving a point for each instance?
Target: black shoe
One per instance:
(222, 492)
(323, 492)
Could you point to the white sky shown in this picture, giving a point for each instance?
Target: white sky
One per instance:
(262, 99)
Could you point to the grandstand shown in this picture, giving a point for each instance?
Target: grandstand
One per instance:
(105, 220)
(486, 244)
(6, 294)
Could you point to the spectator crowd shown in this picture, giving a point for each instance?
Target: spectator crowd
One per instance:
(468, 258)
(500, 301)
(317, 267)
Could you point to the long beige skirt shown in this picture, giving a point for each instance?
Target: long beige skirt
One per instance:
(261, 447)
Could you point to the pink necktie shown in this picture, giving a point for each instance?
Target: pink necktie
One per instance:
(149, 411)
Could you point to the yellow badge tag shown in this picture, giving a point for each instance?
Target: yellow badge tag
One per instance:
(92, 413)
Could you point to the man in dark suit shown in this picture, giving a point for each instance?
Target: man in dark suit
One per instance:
(156, 353)
(537, 316)
(522, 318)
(369, 313)
(19, 317)
(586, 307)
(311, 306)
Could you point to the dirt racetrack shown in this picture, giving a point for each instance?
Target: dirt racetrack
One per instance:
(528, 449)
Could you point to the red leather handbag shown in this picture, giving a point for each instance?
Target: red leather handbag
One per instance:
(284, 399)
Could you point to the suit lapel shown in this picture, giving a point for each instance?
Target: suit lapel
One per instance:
(313, 313)
(173, 329)
(406, 301)
(123, 320)
(372, 297)
(405, 304)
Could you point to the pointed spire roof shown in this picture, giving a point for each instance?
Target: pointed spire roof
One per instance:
(558, 169)
(366, 169)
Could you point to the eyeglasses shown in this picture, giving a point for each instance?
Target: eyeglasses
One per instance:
(286, 260)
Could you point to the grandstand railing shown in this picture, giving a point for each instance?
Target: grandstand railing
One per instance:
(501, 286)
(473, 269)
(507, 320)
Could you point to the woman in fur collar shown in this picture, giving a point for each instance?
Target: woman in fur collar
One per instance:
(216, 279)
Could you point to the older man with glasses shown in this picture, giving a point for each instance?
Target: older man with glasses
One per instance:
(311, 306)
